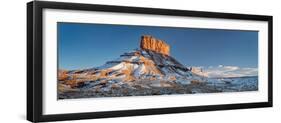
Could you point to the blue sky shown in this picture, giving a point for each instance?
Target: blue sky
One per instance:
(90, 45)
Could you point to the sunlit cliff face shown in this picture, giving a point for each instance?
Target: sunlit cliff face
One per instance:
(153, 44)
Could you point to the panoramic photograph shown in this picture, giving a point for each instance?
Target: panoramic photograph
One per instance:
(106, 60)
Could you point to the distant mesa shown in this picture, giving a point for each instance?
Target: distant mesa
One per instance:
(150, 43)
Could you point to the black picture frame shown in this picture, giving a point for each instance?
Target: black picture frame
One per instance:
(35, 69)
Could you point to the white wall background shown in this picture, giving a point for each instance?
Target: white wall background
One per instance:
(13, 61)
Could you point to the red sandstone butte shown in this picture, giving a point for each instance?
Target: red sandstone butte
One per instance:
(150, 43)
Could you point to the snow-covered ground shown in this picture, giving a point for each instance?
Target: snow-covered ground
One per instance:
(140, 73)
(235, 84)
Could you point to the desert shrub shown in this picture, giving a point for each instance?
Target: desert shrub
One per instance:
(156, 92)
(114, 86)
(97, 90)
(125, 91)
(137, 86)
(103, 82)
(195, 82)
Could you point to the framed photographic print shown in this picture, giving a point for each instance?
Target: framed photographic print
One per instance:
(94, 61)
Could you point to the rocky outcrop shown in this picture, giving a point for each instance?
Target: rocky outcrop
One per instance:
(150, 43)
(150, 70)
